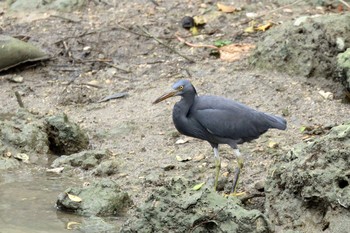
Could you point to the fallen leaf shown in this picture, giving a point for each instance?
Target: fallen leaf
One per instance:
(194, 31)
(70, 225)
(74, 198)
(235, 52)
(199, 20)
(251, 27)
(273, 144)
(56, 170)
(198, 186)
(327, 95)
(180, 159)
(23, 157)
(220, 43)
(263, 27)
(225, 8)
(182, 141)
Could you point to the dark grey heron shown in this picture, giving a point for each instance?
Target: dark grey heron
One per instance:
(219, 121)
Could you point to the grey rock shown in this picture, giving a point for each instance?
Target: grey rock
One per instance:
(308, 49)
(100, 198)
(308, 189)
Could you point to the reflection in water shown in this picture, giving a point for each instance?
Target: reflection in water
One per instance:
(27, 203)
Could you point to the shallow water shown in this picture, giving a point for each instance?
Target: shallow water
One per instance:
(27, 202)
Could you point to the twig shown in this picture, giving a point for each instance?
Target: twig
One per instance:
(19, 99)
(91, 85)
(345, 3)
(114, 96)
(67, 48)
(165, 45)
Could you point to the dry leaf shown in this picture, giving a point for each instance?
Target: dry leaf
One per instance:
(273, 144)
(198, 186)
(182, 141)
(180, 159)
(264, 27)
(56, 170)
(251, 27)
(199, 20)
(326, 94)
(194, 31)
(225, 8)
(235, 52)
(70, 225)
(74, 198)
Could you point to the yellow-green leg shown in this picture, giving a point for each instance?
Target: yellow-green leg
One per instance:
(217, 167)
(240, 162)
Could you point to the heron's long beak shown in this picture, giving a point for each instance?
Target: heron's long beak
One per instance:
(166, 96)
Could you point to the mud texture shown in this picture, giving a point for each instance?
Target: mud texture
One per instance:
(307, 46)
(100, 198)
(177, 208)
(308, 189)
(65, 137)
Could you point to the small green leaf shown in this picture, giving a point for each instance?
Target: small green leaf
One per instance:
(220, 43)
(302, 128)
(198, 186)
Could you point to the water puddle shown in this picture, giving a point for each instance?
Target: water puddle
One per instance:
(27, 204)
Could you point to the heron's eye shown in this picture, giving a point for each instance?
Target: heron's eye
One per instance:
(181, 87)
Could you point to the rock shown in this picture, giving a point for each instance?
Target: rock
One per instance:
(177, 208)
(14, 52)
(65, 137)
(8, 163)
(308, 189)
(87, 160)
(106, 168)
(100, 198)
(309, 48)
(343, 60)
(22, 134)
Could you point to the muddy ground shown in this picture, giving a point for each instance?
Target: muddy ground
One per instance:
(106, 48)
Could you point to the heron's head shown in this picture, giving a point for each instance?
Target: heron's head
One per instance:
(180, 88)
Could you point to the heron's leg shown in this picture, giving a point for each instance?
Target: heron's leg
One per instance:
(217, 167)
(240, 162)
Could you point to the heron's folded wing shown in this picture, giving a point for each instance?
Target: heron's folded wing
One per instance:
(237, 124)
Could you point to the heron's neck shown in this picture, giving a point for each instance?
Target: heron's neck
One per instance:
(186, 103)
